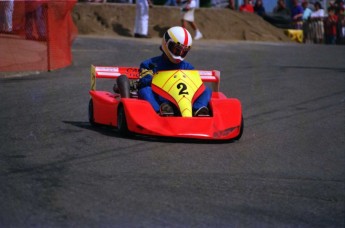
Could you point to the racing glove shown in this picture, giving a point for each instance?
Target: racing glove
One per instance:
(146, 75)
(145, 81)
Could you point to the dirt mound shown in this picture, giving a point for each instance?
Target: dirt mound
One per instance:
(215, 23)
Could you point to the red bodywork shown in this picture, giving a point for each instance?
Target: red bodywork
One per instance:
(224, 123)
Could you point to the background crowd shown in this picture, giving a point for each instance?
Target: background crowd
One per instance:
(319, 25)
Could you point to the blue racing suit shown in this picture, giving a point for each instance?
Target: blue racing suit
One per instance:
(149, 67)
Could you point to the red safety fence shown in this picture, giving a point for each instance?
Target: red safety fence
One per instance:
(36, 35)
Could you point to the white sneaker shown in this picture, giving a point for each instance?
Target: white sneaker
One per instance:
(198, 35)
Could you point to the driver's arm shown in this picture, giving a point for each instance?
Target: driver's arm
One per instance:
(146, 71)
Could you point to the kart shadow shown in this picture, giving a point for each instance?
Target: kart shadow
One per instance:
(113, 132)
(103, 129)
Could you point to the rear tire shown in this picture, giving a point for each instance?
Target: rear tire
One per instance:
(121, 121)
(123, 86)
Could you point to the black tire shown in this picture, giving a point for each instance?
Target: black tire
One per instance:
(91, 117)
(123, 86)
(241, 130)
(121, 121)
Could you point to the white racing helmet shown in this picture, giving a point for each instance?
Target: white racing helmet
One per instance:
(176, 43)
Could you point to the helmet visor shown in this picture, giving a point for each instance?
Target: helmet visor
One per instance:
(178, 49)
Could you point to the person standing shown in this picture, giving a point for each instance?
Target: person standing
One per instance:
(170, 3)
(341, 26)
(142, 18)
(259, 8)
(317, 19)
(188, 8)
(6, 16)
(281, 8)
(246, 7)
(306, 22)
(231, 4)
(306, 11)
(331, 22)
(297, 14)
(35, 19)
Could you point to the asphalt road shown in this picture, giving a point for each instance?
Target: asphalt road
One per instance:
(286, 171)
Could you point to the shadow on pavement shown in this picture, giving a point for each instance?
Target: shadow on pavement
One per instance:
(112, 131)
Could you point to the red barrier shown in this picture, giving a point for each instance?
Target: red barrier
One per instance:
(37, 36)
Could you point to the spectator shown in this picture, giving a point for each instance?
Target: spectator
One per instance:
(187, 10)
(246, 7)
(231, 4)
(306, 11)
(317, 18)
(341, 27)
(342, 6)
(281, 8)
(331, 26)
(339, 7)
(142, 18)
(35, 16)
(306, 23)
(337, 3)
(259, 8)
(6, 13)
(170, 3)
(331, 3)
(318, 11)
(296, 15)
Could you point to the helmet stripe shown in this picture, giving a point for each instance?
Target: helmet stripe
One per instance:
(172, 36)
(185, 37)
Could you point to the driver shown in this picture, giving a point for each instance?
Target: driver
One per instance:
(176, 43)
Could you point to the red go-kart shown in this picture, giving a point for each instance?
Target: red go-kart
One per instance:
(129, 114)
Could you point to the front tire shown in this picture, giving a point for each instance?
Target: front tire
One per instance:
(121, 121)
(241, 130)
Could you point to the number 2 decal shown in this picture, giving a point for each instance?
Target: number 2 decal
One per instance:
(182, 87)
